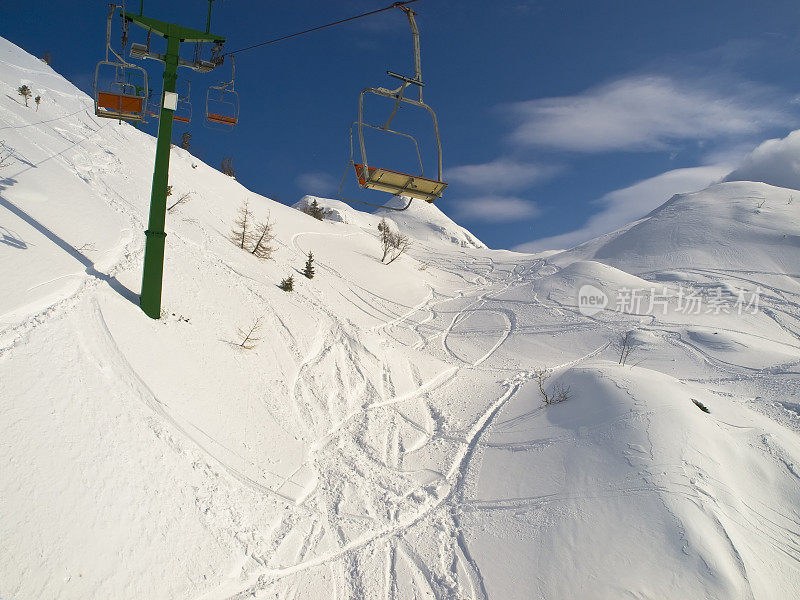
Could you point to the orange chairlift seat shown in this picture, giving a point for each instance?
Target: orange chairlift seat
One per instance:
(120, 105)
(382, 179)
(224, 119)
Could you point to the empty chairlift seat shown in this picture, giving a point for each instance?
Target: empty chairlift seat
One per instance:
(120, 106)
(399, 184)
(222, 119)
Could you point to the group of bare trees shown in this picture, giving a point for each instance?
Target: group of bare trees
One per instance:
(251, 235)
(559, 392)
(393, 243)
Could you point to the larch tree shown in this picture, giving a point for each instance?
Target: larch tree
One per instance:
(263, 235)
(242, 233)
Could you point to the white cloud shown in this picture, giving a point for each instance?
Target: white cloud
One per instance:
(631, 203)
(317, 183)
(496, 209)
(501, 174)
(642, 113)
(776, 162)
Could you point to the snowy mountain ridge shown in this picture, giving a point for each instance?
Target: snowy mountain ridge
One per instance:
(386, 435)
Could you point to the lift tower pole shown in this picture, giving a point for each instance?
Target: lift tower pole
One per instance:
(153, 272)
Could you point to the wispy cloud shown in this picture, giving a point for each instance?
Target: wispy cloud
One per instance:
(774, 162)
(496, 209)
(643, 113)
(502, 174)
(317, 182)
(628, 204)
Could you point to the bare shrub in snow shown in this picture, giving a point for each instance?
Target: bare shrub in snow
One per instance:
(184, 198)
(263, 236)
(626, 345)
(393, 243)
(249, 341)
(186, 140)
(385, 238)
(558, 392)
(242, 233)
(47, 58)
(400, 244)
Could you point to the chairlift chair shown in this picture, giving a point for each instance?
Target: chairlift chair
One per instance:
(382, 179)
(125, 96)
(222, 103)
(183, 113)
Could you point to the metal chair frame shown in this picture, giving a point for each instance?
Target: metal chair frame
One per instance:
(399, 97)
(228, 96)
(124, 98)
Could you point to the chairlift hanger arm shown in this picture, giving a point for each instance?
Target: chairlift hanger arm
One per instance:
(167, 30)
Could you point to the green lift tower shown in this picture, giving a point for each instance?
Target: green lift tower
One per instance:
(152, 275)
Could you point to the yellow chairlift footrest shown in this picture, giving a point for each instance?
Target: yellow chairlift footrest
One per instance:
(399, 184)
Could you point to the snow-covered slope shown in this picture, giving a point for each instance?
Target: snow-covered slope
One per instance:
(735, 225)
(421, 220)
(386, 436)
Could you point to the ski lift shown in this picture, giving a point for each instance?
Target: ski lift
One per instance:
(222, 103)
(382, 179)
(120, 88)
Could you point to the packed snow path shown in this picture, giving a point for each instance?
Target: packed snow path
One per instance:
(386, 437)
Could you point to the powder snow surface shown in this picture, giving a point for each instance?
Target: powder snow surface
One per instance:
(385, 437)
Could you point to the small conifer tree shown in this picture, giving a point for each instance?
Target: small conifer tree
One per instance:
(287, 285)
(308, 271)
(38, 99)
(25, 92)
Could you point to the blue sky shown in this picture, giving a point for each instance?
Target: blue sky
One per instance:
(560, 120)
